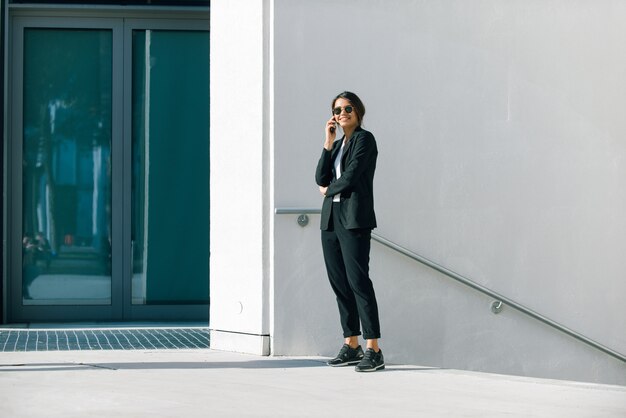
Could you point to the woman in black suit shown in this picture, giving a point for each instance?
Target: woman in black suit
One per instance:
(345, 175)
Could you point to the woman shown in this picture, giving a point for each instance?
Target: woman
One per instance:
(345, 174)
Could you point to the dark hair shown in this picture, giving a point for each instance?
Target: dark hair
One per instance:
(355, 101)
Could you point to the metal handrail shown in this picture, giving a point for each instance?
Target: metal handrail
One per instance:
(501, 299)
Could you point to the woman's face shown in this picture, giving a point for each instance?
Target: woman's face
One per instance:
(346, 120)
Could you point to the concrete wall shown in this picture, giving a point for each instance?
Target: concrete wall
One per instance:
(239, 177)
(501, 156)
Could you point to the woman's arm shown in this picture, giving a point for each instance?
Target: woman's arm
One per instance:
(324, 171)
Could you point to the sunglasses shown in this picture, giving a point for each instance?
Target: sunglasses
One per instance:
(337, 110)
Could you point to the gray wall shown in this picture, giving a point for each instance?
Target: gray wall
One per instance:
(501, 133)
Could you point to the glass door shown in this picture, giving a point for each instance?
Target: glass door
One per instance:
(66, 138)
(169, 153)
(109, 206)
(66, 160)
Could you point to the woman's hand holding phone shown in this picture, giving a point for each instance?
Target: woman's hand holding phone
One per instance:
(331, 133)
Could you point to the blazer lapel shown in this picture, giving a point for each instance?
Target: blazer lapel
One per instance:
(346, 152)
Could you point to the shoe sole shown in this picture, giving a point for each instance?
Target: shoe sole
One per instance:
(381, 367)
(349, 363)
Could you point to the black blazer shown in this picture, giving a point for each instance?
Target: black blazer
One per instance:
(355, 184)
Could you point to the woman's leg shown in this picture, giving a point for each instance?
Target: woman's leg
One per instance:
(355, 247)
(346, 302)
(352, 341)
(373, 343)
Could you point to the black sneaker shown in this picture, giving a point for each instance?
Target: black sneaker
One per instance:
(371, 362)
(347, 355)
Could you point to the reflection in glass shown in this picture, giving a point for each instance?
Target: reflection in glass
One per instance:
(170, 191)
(66, 224)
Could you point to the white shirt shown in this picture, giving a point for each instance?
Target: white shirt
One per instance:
(337, 197)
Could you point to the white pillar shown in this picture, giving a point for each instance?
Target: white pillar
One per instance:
(240, 195)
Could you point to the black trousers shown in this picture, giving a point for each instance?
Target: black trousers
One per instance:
(347, 255)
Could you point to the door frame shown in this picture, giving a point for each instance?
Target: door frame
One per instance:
(121, 24)
(147, 312)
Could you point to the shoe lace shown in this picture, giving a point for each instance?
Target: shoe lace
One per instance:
(369, 354)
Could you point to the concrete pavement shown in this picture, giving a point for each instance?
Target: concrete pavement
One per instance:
(204, 382)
